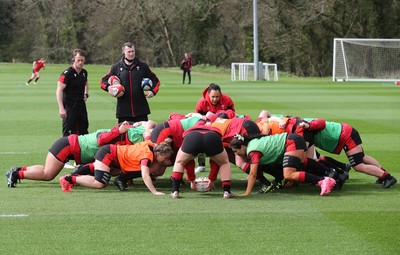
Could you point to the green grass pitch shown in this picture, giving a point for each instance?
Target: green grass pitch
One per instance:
(37, 218)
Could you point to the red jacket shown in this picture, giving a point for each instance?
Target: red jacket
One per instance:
(204, 105)
(186, 63)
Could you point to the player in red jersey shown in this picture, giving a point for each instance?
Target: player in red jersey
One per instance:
(36, 66)
(212, 100)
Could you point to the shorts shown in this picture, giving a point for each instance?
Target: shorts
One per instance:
(295, 142)
(204, 141)
(66, 148)
(349, 138)
(107, 154)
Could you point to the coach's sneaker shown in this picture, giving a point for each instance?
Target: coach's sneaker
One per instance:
(326, 185)
(228, 194)
(389, 182)
(65, 185)
(11, 178)
(175, 194)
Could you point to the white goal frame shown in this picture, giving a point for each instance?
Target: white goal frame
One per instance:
(379, 60)
(242, 71)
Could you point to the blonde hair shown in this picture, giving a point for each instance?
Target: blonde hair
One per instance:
(165, 147)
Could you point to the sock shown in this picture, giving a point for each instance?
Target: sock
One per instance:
(176, 181)
(335, 162)
(312, 178)
(226, 185)
(316, 167)
(385, 176)
(70, 179)
(36, 79)
(189, 168)
(83, 170)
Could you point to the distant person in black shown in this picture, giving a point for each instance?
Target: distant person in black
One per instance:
(133, 105)
(186, 66)
(72, 93)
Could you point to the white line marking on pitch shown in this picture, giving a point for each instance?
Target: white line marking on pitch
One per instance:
(13, 215)
(12, 153)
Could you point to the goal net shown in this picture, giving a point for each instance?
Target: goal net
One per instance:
(366, 59)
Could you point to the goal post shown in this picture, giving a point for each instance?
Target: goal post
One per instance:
(366, 59)
(242, 71)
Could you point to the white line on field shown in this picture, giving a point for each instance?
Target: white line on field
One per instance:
(13, 215)
(12, 153)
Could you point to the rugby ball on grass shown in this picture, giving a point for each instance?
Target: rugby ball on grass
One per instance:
(147, 84)
(201, 184)
(117, 90)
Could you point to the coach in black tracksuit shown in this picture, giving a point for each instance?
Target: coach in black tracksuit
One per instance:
(133, 105)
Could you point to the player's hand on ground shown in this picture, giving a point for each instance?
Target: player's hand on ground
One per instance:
(157, 193)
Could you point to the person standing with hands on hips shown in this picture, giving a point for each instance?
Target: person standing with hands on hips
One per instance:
(72, 93)
(130, 71)
(186, 66)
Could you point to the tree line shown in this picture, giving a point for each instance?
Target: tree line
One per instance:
(295, 34)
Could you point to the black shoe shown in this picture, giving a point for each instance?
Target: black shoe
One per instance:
(389, 182)
(341, 179)
(266, 188)
(347, 168)
(121, 183)
(379, 181)
(332, 173)
(11, 179)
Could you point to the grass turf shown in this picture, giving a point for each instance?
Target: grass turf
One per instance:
(37, 218)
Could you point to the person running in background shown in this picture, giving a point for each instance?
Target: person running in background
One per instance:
(212, 100)
(133, 105)
(186, 66)
(36, 66)
(72, 93)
